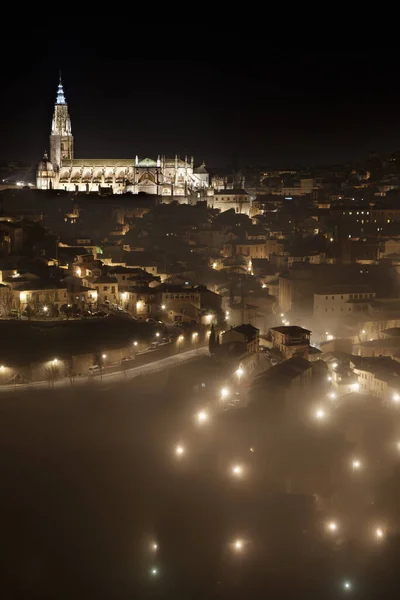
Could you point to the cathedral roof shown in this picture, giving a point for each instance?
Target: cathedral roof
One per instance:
(98, 162)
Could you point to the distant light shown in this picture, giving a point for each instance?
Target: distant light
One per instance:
(356, 387)
(214, 265)
(157, 334)
(363, 331)
(326, 332)
(195, 334)
(227, 314)
(320, 414)
(163, 307)
(251, 449)
(282, 315)
(335, 365)
(104, 355)
(55, 360)
(237, 470)
(264, 285)
(396, 398)
(154, 546)
(347, 585)
(135, 343)
(180, 338)
(332, 396)
(45, 308)
(331, 239)
(202, 416)
(332, 526)
(224, 393)
(154, 571)
(239, 372)
(356, 464)
(2, 368)
(329, 337)
(238, 545)
(179, 450)
(329, 378)
(379, 533)
(186, 283)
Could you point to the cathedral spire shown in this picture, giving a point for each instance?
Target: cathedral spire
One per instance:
(60, 92)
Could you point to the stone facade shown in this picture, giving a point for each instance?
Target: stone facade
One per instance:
(163, 176)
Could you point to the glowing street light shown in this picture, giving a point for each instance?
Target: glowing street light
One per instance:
(238, 545)
(2, 368)
(154, 571)
(320, 414)
(347, 585)
(135, 343)
(104, 356)
(363, 331)
(239, 372)
(396, 398)
(356, 464)
(55, 361)
(224, 393)
(202, 416)
(179, 450)
(379, 533)
(45, 309)
(154, 547)
(180, 338)
(329, 378)
(332, 396)
(329, 337)
(158, 334)
(332, 526)
(335, 365)
(163, 307)
(237, 470)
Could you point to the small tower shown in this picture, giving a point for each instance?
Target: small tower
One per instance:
(61, 139)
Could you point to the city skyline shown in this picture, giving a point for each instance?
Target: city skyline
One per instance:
(282, 109)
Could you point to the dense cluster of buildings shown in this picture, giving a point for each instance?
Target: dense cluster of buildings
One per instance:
(289, 252)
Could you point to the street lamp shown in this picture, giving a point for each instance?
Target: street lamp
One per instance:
(239, 372)
(237, 470)
(356, 464)
(163, 307)
(238, 545)
(179, 450)
(157, 334)
(332, 526)
(396, 398)
(320, 414)
(224, 393)
(135, 343)
(45, 309)
(202, 416)
(104, 356)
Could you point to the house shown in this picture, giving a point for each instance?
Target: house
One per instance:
(291, 341)
(338, 300)
(246, 334)
(107, 290)
(40, 295)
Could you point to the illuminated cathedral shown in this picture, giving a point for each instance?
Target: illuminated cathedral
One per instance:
(163, 176)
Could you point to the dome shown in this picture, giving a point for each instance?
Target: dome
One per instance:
(45, 164)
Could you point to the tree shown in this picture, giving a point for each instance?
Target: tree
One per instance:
(211, 340)
(52, 372)
(70, 373)
(6, 301)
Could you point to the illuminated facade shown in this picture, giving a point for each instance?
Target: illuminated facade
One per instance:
(163, 176)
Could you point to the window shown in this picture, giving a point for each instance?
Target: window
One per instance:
(105, 288)
(341, 297)
(123, 277)
(333, 297)
(326, 297)
(113, 289)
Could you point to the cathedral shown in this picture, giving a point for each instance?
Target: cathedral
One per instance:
(163, 176)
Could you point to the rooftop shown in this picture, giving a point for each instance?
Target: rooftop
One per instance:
(345, 289)
(293, 330)
(247, 330)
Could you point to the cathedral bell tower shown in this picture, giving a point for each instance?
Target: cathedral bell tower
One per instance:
(61, 139)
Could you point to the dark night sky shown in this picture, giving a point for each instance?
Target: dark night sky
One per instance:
(279, 108)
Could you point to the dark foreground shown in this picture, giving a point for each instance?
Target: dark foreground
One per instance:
(90, 482)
